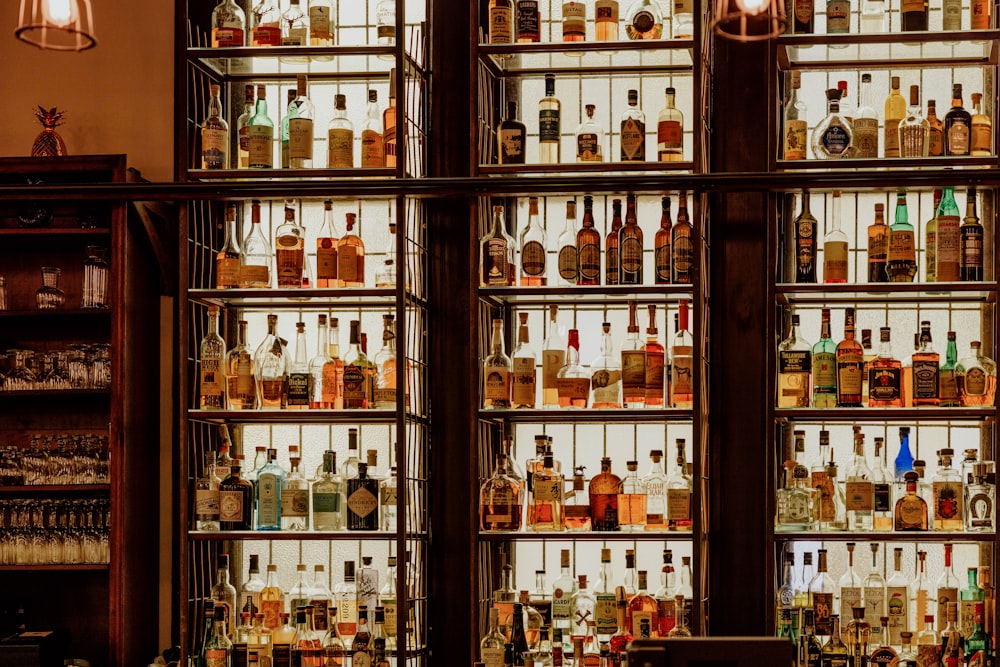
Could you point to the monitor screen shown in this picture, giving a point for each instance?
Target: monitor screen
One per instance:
(712, 652)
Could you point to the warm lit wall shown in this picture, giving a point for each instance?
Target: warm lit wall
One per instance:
(118, 95)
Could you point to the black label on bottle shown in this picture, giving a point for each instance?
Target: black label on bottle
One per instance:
(884, 383)
(281, 655)
(298, 389)
(883, 497)
(239, 656)
(926, 383)
(795, 361)
(527, 18)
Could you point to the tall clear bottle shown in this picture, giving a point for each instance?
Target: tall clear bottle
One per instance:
(573, 380)
(215, 132)
(356, 379)
(589, 138)
(865, 122)
(289, 255)
(497, 371)
(681, 383)
(633, 130)
(835, 252)
(384, 391)
(670, 128)
(351, 256)
(211, 388)
(241, 384)
(523, 368)
(553, 358)
(340, 136)
(606, 375)
(971, 233)
(256, 257)
(947, 240)
(533, 249)
(794, 138)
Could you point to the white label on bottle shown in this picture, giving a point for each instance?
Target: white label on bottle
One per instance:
(319, 22)
(294, 502)
(605, 613)
(897, 610)
(850, 597)
(295, 37)
(500, 25)
(341, 148)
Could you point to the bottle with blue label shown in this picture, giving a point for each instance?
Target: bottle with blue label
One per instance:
(833, 137)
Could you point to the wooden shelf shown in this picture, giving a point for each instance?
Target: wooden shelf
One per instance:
(55, 489)
(605, 169)
(54, 231)
(923, 49)
(902, 415)
(294, 416)
(303, 535)
(847, 293)
(590, 57)
(67, 567)
(907, 536)
(599, 295)
(575, 416)
(56, 393)
(587, 536)
(299, 299)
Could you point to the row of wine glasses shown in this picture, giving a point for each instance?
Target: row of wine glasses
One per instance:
(78, 367)
(47, 531)
(57, 460)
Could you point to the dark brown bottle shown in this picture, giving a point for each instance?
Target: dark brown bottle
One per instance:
(661, 244)
(511, 135)
(612, 252)
(235, 502)
(682, 245)
(914, 15)
(630, 246)
(957, 125)
(588, 247)
(362, 501)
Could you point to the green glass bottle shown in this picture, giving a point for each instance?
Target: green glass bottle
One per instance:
(978, 648)
(902, 259)
(968, 597)
(824, 365)
(946, 376)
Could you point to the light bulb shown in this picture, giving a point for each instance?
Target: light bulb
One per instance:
(60, 13)
(753, 7)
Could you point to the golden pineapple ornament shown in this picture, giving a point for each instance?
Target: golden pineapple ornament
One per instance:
(48, 143)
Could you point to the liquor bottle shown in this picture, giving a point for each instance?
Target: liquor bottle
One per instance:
(606, 20)
(935, 131)
(948, 381)
(976, 377)
(947, 588)
(897, 594)
(500, 501)
(229, 24)
(367, 582)
(266, 25)
(682, 245)
(643, 20)
(496, 253)
(633, 126)
(361, 643)
(679, 489)
(260, 134)
(810, 653)
(957, 125)
(683, 19)
(805, 243)
(501, 22)
(883, 482)
(632, 500)
(362, 500)
(271, 364)
(547, 498)
(926, 369)
(681, 363)
(511, 137)
(289, 243)
(802, 19)
(927, 643)
(911, 509)
(588, 247)
(655, 362)
(327, 372)
(797, 501)
(340, 136)
(243, 127)
(573, 380)
(982, 129)
(497, 369)
(873, 595)
(913, 16)
(523, 368)
(549, 132)
(850, 364)
(661, 244)
(491, 647)
(865, 122)
(978, 646)
(320, 34)
(878, 247)
(227, 260)
(385, 22)
(605, 607)
(821, 590)
(389, 139)
(914, 129)
(574, 21)
(372, 145)
(527, 24)
(670, 125)
(970, 596)
(930, 240)
(241, 385)
(553, 358)
(794, 139)
(603, 493)
(252, 587)
(824, 366)
(298, 594)
(384, 389)
(589, 138)
(326, 249)
(885, 376)
(207, 496)
(211, 390)
(346, 596)
(294, 495)
(980, 502)
(297, 127)
(631, 245)
(218, 649)
(612, 252)
(224, 593)
(901, 263)
(355, 379)
(605, 375)
(869, 357)
(948, 494)
(835, 253)
(350, 257)
(971, 240)
(270, 481)
(294, 30)
(567, 257)
(299, 378)
(215, 131)
(838, 18)
(833, 137)
(895, 112)
(633, 364)
(388, 493)
(272, 599)
(256, 258)
(327, 496)
(235, 502)
(947, 239)
(859, 492)
(786, 593)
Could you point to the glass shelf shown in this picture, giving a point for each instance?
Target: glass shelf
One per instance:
(298, 299)
(893, 50)
(960, 292)
(883, 415)
(619, 415)
(303, 535)
(585, 294)
(960, 163)
(332, 62)
(270, 175)
(588, 536)
(592, 58)
(914, 536)
(603, 168)
(294, 416)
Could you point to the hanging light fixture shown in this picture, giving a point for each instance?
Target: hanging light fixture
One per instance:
(749, 20)
(59, 25)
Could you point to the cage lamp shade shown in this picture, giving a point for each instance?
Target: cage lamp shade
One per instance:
(59, 25)
(749, 20)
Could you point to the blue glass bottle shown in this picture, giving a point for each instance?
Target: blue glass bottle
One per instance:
(904, 459)
(270, 479)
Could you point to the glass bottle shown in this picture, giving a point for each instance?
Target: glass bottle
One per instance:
(294, 495)
(633, 364)
(682, 245)
(523, 368)
(982, 129)
(218, 649)
(911, 509)
(630, 243)
(270, 481)
(895, 112)
(833, 137)
(547, 497)
(497, 254)
(491, 647)
(553, 359)
(859, 490)
(289, 241)
(878, 247)
(670, 127)
(655, 482)
(850, 364)
(500, 501)
(661, 244)
(271, 366)
(838, 18)
(935, 134)
(885, 376)
(603, 492)
(588, 247)
(948, 490)
(384, 390)
(501, 22)
(214, 129)
(926, 370)
(873, 595)
(914, 129)
(323, 391)
(568, 258)
(207, 496)
(947, 251)
(211, 390)
(795, 126)
(385, 23)
(824, 364)
(227, 260)
(633, 121)
(589, 138)
(681, 362)
(605, 375)
(612, 253)
(497, 370)
(901, 262)
(573, 380)
(865, 122)
(632, 499)
(372, 144)
(527, 25)
(897, 597)
(835, 253)
(328, 496)
(969, 597)
(362, 500)
(356, 380)
(957, 125)
(533, 245)
(511, 137)
(683, 19)
(821, 591)
(927, 643)
(241, 385)
(947, 587)
(350, 256)
(243, 127)
(805, 243)
(389, 142)
(679, 489)
(229, 24)
(576, 505)
(655, 362)
(260, 134)
(981, 501)
(235, 502)
(549, 132)
(256, 258)
(978, 645)
(971, 235)
(976, 377)
(340, 136)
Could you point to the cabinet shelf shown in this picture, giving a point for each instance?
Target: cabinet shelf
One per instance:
(585, 294)
(324, 62)
(75, 314)
(893, 415)
(915, 536)
(299, 299)
(602, 168)
(945, 49)
(587, 415)
(957, 292)
(594, 58)
(304, 535)
(55, 489)
(57, 394)
(959, 163)
(271, 175)
(295, 416)
(75, 232)
(57, 567)
(588, 536)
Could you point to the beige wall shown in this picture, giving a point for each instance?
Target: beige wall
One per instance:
(118, 95)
